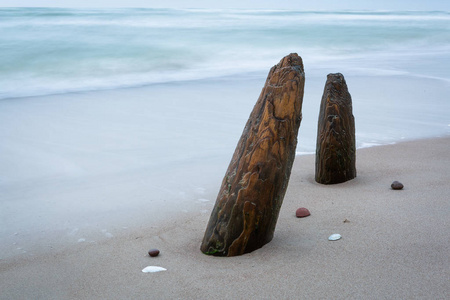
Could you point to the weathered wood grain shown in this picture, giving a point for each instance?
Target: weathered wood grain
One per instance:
(247, 206)
(335, 150)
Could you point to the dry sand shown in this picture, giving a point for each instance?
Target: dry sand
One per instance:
(396, 245)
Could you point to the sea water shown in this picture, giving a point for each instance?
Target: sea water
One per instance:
(54, 50)
(47, 51)
(115, 119)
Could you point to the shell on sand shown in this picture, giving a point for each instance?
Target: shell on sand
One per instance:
(153, 269)
(334, 237)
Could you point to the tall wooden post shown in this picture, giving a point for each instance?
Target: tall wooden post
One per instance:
(252, 191)
(335, 150)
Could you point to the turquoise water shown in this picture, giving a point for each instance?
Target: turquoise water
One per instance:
(88, 166)
(50, 50)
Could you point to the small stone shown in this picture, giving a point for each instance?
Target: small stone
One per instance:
(302, 212)
(153, 252)
(346, 221)
(334, 237)
(153, 269)
(397, 185)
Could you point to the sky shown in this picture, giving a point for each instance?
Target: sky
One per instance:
(247, 4)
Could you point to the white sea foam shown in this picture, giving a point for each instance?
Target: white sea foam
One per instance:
(166, 45)
(107, 234)
(304, 153)
(369, 144)
(200, 190)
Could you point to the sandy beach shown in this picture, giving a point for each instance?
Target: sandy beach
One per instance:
(394, 245)
(111, 148)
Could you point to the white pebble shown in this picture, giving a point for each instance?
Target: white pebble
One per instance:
(334, 237)
(153, 269)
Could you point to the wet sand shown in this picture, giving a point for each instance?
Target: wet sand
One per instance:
(394, 245)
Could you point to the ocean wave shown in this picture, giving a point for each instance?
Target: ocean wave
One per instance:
(175, 18)
(62, 50)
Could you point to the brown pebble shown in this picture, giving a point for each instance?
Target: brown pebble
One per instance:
(302, 212)
(153, 252)
(396, 185)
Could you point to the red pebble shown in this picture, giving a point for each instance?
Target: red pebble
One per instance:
(153, 252)
(302, 212)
